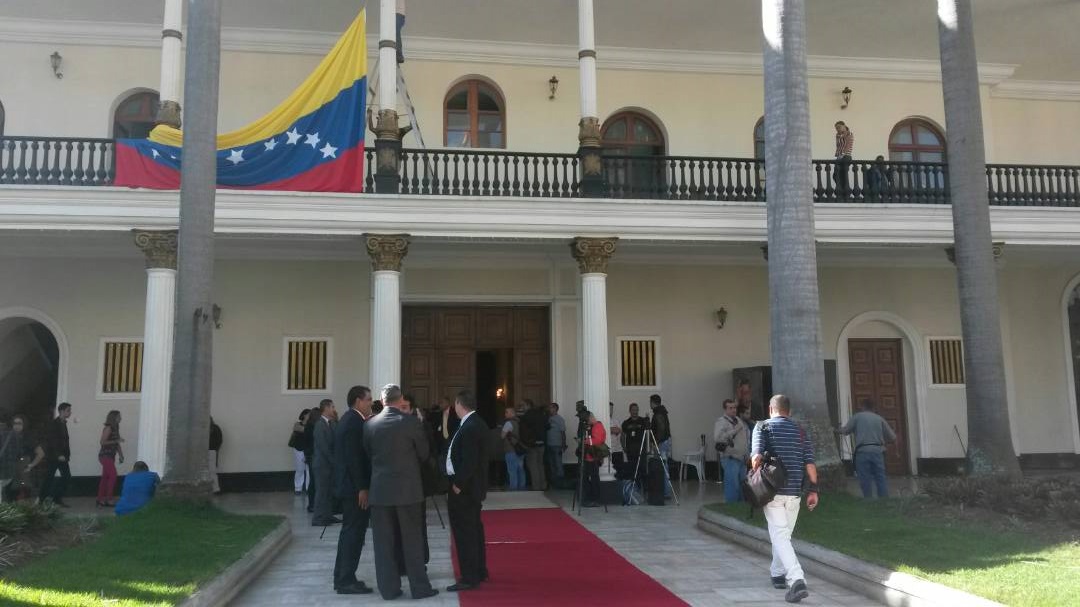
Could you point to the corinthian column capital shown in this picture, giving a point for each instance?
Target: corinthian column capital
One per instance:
(159, 247)
(386, 250)
(592, 254)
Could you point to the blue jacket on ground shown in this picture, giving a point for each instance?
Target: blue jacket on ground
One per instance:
(138, 489)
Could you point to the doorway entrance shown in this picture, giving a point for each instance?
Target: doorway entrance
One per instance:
(500, 353)
(29, 371)
(877, 373)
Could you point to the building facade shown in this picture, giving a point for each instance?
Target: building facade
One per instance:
(507, 277)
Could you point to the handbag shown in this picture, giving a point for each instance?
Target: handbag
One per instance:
(763, 483)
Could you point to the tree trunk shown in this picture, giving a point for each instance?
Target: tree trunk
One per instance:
(794, 304)
(990, 448)
(186, 470)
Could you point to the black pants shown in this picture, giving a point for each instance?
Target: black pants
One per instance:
(592, 482)
(354, 525)
(56, 488)
(468, 530)
(323, 497)
(397, 528)
(840, 176)
(311, 485)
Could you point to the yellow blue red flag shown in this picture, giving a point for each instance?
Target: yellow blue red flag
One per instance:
(311, 142)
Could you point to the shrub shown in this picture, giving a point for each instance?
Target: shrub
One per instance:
(19, 517)
(1033, 499)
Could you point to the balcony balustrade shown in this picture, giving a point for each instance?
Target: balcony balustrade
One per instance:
(447, 172)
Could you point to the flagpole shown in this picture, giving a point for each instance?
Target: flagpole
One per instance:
(186, 469)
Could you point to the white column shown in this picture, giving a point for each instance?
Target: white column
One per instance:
(386, 253)
(387, 56)
(171, 67)
(587, 58)
(160, 251)
(592, 255)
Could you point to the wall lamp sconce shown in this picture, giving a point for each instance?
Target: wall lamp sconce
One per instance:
(499, 393)
(56, 61)
(217, 316)
(553, 86)
(846, 96)
(721, 318)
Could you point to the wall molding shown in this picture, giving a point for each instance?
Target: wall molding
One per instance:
(1037, 90)
(302, 42)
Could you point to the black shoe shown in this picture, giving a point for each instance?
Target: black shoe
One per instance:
(797, 592)
(396, 595)
(425, 595)
(461, 586)
(484, 576)
(310, 509)
(357, 588)
(779, 582)
(335, 520)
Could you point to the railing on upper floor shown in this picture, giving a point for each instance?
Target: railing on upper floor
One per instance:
(449, 172)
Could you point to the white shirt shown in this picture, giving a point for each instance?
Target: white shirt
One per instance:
(450, 464)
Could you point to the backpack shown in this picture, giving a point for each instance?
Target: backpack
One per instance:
(631, 494)
(762, 484)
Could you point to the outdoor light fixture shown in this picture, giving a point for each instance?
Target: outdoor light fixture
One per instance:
(217, 316)
(721, 318)
(56, 60)
(499, 393)
(846, 96)
(553, 85)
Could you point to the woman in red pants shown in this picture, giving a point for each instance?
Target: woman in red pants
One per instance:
(110, 448)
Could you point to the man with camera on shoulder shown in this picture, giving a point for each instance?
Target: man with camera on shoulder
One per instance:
(732, 439)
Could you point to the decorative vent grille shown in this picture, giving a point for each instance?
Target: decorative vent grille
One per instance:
(947, 362)
(306, 364)
(638, 363)
(122, 367)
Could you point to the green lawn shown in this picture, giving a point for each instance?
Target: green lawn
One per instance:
(1006, 566)
(157, 556)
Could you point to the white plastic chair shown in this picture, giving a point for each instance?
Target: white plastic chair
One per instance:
(695, 460)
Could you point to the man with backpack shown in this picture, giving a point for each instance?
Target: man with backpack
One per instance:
(780, 437)
(732, 439)
(534, 423)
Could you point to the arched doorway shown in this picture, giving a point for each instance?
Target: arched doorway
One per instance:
(633, 146)
(874, 348)
(1071, 305)
(30, 364)
(135, 116)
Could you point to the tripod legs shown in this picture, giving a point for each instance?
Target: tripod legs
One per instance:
(649, 440)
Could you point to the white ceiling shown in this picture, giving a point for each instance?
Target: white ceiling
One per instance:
(1038, 35)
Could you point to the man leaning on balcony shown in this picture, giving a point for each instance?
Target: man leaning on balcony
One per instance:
(845, 145)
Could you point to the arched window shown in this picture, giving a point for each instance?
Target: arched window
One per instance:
(134, 116)
(632, 134)
(759, 138)
(916, 140)
(475, 116)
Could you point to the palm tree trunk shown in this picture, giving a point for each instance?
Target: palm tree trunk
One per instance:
(794, 304)
(990, 448)
(186, 470)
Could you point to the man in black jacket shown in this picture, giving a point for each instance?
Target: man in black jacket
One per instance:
(58, 456)
(661, 428)
(352, 472)
(466, 467)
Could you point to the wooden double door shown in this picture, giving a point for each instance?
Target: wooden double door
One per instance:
(877, 373)
(500, 353)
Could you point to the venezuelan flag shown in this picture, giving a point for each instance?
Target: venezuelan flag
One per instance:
(312, 142)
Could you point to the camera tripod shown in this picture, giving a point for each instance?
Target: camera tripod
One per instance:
(579, 496)
(648, 442)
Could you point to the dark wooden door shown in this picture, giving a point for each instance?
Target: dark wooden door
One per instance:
(877, 372)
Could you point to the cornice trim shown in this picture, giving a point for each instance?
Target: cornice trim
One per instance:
(97, 33)
(1038, 90)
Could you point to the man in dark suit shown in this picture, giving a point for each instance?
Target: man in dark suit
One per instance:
(466, 466)
(352, 477)
(324, 465)
(58, 457)
(394, 441)
(444, 422)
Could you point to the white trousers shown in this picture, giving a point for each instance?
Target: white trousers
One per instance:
(300, 476)
(781, 514)
(211, 466)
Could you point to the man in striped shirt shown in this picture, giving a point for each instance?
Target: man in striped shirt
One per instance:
(845, 145)
(781, 436)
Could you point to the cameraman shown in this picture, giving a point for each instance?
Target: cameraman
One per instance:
(732, 439)
(595, 451)
(661, 428)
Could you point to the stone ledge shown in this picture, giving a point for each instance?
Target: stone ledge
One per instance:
(231, 582)
(878, 583)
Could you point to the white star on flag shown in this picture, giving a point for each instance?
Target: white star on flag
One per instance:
(236, 157)
(294, 136)
(270, 145)
(313, 140)
(155, 153)
(329, 151)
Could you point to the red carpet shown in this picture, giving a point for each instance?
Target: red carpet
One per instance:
(543, 557)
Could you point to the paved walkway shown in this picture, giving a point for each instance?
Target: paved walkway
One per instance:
(663, 542)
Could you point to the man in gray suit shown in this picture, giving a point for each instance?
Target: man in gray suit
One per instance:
(396, 445)
(324, 465)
